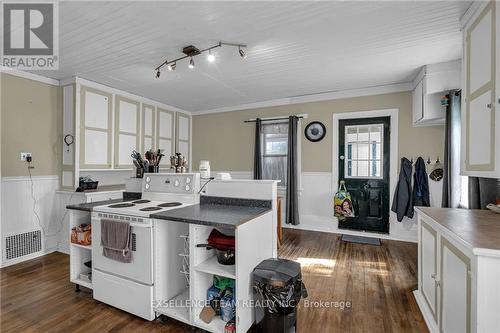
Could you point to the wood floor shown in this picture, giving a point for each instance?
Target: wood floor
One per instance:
(36, 296)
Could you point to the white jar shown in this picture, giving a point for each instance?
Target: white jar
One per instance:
(204, 169)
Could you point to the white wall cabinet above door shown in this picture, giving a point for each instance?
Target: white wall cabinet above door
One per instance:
(481, 104)
(127, 119)
(148, 127)
(95, 128)
(165, 135)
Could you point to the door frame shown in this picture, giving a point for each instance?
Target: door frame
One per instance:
(393, 151)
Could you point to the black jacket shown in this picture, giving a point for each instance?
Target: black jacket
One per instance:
(402, 203)
(420, 185)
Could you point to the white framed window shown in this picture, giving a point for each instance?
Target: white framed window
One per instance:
(275, 151)
(364, 145)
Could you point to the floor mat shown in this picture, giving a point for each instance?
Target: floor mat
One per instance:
(360, 240)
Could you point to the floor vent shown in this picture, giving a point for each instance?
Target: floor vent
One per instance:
(20, 245)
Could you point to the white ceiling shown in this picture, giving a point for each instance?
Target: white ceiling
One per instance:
(294, 48)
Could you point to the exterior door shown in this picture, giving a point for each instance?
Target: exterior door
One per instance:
(364, 166)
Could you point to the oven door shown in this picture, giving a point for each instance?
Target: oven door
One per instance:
(141, 267)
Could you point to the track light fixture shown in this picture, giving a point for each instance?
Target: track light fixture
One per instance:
(210, 56)
(192, 51)
(242, 53)
(171, 67)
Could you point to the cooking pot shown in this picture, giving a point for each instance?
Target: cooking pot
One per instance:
(224, 257)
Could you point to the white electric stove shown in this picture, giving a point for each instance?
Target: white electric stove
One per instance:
(129, 286)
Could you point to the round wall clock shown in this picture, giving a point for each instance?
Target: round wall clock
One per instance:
(315, 131)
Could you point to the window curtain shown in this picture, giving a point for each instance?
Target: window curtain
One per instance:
(451, 170)
(257, 155)
(483, 191)
(292, 203)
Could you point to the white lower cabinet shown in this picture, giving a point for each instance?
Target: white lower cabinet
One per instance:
(444, 281)
(455, 289)
(428, 269)
(448, 294)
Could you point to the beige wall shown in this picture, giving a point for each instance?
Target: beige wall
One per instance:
(31, 122)
(227, 142)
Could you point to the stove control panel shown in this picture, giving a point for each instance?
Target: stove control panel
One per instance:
(177, 183)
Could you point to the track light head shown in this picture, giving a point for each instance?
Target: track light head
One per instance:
(210, 56)
(191, 63)
(171, 66)
(158, 73)
(242, 53)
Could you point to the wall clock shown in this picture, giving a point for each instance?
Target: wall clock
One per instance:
(315, 131)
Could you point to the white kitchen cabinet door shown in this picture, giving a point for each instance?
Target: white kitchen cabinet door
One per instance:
(148, 127)
(183, 137)
(455, 286)
(429, 260)
(127, 118)
(165, 135)
(479, 124)
(95, 128)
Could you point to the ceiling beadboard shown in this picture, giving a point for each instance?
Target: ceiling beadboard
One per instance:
(294, 48)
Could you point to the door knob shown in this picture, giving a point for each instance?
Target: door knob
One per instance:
(488, 105)
(433, 275)
(342, 157)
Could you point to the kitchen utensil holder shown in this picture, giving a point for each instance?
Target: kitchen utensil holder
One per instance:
(139, 172)
(154, 169)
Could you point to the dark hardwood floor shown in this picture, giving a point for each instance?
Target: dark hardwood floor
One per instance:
(36, 296)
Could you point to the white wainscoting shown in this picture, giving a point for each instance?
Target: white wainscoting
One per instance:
(316, 207)
(17, 210)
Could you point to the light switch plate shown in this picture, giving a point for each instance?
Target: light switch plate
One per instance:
(24, 156)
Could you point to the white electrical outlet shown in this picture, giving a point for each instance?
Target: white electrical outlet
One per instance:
(24, 156)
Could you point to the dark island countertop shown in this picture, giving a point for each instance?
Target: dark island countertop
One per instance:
(217, 212)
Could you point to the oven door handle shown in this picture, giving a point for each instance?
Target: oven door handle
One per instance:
(135, 225)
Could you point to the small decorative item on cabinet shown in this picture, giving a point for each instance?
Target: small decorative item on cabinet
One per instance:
(178, 163)
(82, 234)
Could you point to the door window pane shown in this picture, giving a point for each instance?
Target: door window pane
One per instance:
(364, 151)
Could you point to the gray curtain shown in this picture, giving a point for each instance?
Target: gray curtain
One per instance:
(257, 155)
(451, 170)
(292, 203)
(483, 191)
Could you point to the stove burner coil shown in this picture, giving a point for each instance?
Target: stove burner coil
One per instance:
(170, 204)
(141, 201)
(149, 209)
(121, 205)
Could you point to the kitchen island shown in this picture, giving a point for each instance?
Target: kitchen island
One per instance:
(250, 221)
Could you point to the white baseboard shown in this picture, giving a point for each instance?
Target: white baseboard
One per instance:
(429, 320)
(7, 263)
(330, 224)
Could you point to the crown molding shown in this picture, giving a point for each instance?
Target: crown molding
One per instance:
(332, 95)
(29, 75)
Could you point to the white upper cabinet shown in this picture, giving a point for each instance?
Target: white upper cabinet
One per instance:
(183, 135)
(165, 134)
(95, 128)
(127, 119)
(432, 82)
(480, 107)
(148, 127)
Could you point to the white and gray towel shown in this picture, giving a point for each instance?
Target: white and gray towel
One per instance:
(116, 238)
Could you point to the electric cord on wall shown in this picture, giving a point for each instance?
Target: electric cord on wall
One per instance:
(35, 202)
(206, 183)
